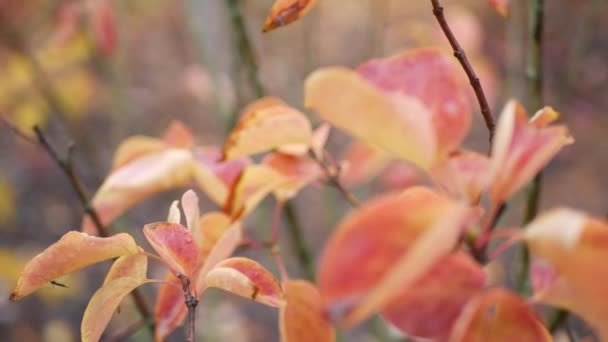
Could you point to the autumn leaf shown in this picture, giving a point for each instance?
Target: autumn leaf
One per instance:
(521, 148)
(430, 76)
(566, 246)
(501, 6)
(398, 123)
(72, 252)
(127, 273)
(175, 245)
(369, 241)
(246, 278)
(501, 316)
(265, 126)
(284, 12)
(303, 317)
(362, 162)
(297, 172)
(463, 175)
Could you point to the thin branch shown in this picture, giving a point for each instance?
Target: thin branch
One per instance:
(67, 166)
(275, 249)
(468, 69)
(191, 303)
(332, 175)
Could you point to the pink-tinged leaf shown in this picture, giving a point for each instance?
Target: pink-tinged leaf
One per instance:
(138, 180)
(72, 252)
(284, 12)
(429, 75)
(437, 241)
(464, 175)
(170, 309)
(400, 175)
(255, 183)
(175, 245)
(178, 135)
(297, 171)
(246, 278)
(175, 215)
(222, 248)
(501, 6)
(303, 318)
(362, 163)
(501, 316)
(398, 123)
(133, 266)
(214, 176)
(429, 308)
(265, 128)
(568, 244)
(520, 150)
(191, 210)
(102, 305)
(368, 242)
(211, 227)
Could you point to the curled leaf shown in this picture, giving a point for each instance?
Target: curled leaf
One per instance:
(501, 316)
(175, 245)
(284, 12)
(303, 317)
(133, 266)
(398, 123)
(72, 252)
(246, 278)
(297, 172)
(521, 149)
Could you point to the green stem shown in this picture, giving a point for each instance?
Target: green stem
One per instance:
(299, 244)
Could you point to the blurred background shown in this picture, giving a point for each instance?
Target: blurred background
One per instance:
(93, 72)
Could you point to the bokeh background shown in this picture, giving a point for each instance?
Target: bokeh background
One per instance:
(93, 72)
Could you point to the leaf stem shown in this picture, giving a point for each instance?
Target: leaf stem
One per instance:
(468, 69)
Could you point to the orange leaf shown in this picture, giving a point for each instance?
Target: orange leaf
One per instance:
(102, 305)
(284, 12)
(521, 149)
(136, 147)
(369, 241)
(219, 249)
(363, 162)
(398, 123)
(569, 246)
(317, 143)
(303, 318)
(253, 185)
(498, 315)
(138, 180)
(175, 244)
(429, 308)
(246, 278)
(429, 75)
(267, 127)
(438, 240)
(72, 252)
(464, 175)
(178, 135)
(297, 171)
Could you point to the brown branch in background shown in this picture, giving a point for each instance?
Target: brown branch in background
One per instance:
(67, 166)
(332, 175)
(191, 303)
(468, 69)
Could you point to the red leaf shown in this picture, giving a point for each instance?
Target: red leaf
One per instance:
(284, 12)
(175, 245)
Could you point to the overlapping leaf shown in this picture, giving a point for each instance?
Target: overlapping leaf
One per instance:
(568, 246)
(175, 244)
(297, 172)
(464, 175)
(303, 317)
(500, 316)
(267, 124)
(246, 278)
(398, 123)
(430, 76)
(72, 252)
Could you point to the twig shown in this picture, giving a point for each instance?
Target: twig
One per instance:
(332, 175)
(191, 303)
(468, 69)
(67, 166)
